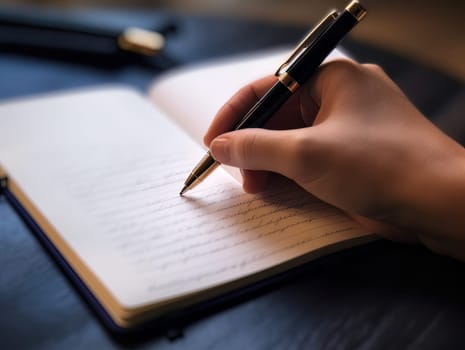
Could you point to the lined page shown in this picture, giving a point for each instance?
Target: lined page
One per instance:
(212, 235)
(105, 168)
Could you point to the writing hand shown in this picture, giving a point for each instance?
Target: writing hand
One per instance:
(353, 139)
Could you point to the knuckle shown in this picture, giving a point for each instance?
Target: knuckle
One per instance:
(246, 147)
(337, 71)
(302, 148)
(301, 151)
(343, 67)
(375, 68)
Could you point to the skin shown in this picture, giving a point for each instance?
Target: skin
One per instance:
(352, 138)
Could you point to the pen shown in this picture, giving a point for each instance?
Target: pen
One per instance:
(42, 33)
(294, 72)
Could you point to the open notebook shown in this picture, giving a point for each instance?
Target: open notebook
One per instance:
(99, 171)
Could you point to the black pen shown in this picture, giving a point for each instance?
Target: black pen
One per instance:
(294, 72)
(49, 34)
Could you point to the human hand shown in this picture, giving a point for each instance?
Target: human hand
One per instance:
(351, 137)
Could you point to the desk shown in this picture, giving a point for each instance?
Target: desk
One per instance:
(382, 295)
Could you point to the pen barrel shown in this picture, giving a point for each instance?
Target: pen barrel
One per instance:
(307, 63)
(262, 111)
(51, 33)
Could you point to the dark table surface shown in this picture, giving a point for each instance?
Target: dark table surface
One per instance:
(379, 296)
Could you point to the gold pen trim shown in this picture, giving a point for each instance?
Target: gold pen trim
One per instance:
(289, 82)
(203, 168)
(141, 41)
(307, 41)
(356, 10)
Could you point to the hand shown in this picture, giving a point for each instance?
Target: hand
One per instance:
(352, 138)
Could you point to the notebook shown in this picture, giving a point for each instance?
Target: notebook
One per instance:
(98, 171)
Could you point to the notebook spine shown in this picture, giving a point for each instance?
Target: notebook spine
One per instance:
(3, 184)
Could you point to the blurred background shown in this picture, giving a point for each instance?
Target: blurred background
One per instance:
(430, 32)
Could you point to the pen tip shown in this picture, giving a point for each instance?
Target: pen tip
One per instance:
(184, 189)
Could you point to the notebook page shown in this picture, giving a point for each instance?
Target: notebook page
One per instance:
(105, 168)
(205, 87)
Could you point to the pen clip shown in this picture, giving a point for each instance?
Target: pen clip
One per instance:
(312, 36)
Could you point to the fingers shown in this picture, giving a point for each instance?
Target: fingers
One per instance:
(332, 78)
(298, 112)
(260, 149)
(236, 107)
(347, 85)
(254, 181)
(287, 117)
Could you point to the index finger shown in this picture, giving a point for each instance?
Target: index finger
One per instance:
(237, 106)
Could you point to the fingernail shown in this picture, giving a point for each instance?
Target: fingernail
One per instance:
(219, 149)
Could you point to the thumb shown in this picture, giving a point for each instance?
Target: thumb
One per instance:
(258, 149)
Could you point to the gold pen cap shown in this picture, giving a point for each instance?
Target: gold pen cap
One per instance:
(356, 10)
(141, 41)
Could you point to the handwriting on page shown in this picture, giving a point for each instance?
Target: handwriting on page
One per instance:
(214, 234)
